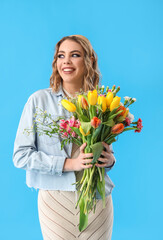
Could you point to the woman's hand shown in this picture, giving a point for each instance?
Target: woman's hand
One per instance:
(81, 160)
(78, 164)
(108, 159)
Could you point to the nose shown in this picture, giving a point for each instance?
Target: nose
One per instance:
(67, 59)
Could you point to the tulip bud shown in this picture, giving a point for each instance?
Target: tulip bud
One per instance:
(118, 88)
(113, 87)
(102, 88)
(68, 105)
(92, 97)
(95, 122)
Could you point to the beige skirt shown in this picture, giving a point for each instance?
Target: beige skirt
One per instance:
(59, 220)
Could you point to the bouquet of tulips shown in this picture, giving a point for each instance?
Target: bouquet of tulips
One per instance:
(97, 116)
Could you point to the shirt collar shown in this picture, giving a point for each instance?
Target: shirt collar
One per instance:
(60, 91)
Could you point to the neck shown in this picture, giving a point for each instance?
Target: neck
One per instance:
(72, 89)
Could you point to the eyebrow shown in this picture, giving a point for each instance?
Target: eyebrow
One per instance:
(71, 51)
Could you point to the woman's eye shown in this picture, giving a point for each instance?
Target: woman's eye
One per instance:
(60, 55)
(76, 54)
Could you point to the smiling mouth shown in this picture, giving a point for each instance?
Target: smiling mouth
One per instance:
(68, 71)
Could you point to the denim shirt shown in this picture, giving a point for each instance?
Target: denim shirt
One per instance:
(41, 156)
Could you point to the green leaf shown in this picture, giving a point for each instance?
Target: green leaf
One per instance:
(106, 133)
(109, 123)
(84, 118)
(111, 116)
(83, 217)
(86, 126)
(111, 140)
(77, 131)
(86, 98)
(120, 119)
(97, 133)
(96, 149)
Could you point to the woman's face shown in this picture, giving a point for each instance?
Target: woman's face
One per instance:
(70, 62)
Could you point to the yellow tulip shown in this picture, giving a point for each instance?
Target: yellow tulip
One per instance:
(82, 132)
(92, 97)
(109, 98)
(68, 105)
(115, 103)
(102, 100)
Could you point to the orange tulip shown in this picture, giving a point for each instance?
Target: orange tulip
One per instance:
(83, 102)
(118, 128)
(95, 122)
(123, 112)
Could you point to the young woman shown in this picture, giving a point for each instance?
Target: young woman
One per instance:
(52, 170)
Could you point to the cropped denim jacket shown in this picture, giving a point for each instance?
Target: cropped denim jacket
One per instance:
(41, 156)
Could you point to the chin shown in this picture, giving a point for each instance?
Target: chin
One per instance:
(69, 79)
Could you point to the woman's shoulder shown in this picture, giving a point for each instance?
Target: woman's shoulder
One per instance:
(40, 93)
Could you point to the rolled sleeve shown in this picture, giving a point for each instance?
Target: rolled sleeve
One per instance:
(107, 169)
(58, 163)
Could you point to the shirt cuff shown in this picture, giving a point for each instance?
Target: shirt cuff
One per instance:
(58, 163)
(110, 167)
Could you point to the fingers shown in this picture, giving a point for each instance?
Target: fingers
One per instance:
(104, 160)
(82, 147)
(107, 147)
(87, 166)
(87, 155)
(105, 154)
(101, 165)
(87, 160)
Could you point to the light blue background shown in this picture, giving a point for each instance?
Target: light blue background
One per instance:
(128, 39)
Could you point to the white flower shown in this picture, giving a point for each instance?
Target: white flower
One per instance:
(127, 98)
(134, 99)
(103, 86)
(130, 116)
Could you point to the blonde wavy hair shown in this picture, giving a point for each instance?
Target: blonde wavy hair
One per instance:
(92, 73)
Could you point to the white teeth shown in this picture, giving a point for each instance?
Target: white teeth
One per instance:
(68, 70)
